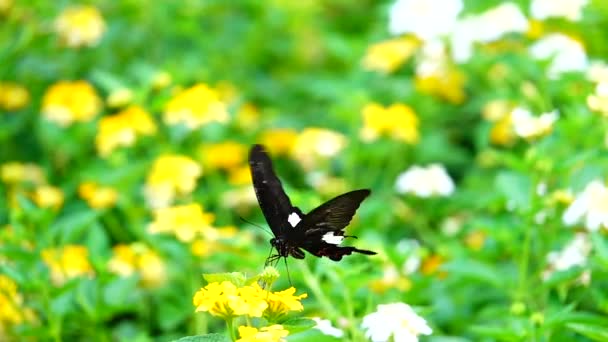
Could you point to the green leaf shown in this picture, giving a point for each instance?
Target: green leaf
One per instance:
(299, 324)
(71, 228)
(476, 270)
(596, 333)
(601, 249)
(205, 338)
(515, 187)
(563, 277)
(237, 278)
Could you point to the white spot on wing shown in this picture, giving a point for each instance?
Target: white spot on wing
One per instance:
(293, 219)
(333, 239)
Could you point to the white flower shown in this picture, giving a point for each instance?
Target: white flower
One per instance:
(425, 182)
(597, 72)
(566, 53)
(326, 328)
(427, 19)
(528, 126)
(592, 204)
(568, 9)
(486, 27)
(397, 320)
(574, 254)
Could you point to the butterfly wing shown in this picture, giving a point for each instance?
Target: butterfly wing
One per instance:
(273, 201)
(324, 226)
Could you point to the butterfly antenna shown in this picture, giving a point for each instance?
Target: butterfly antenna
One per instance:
(255, 225)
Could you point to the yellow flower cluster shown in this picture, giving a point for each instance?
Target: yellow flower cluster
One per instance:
(21, 176)
(273, 333)
(97, 196)
(16, 172)
(397, 121)
(186, 222)
(12, 311)
(389, 55)
(123, 128)
(229, 156)
(13, 96)
(195, 107)
(228, 301)
(67, 102)
(446, 84)
(80, 26)
(315, 144)
(279, 141)
(138, 258)
(171, 175)
(48, 196)
(67, 262)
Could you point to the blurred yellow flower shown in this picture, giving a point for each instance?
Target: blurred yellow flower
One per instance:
(67, 262)
(171, 175)
(431, 264)
(119, 97)
(475, 240)
(209, 244)
(391, 279)
(497, 109)
(122, 129)
(5, 6)
(226, 300)
(186, 222)
(279, 141)
(48, 196)
(240, 175)
(280, 303)
(273, 333)
(502, 132)
(67, 102)
(12, 309)
(448, 85)
(98, 197)
(241, 199)
(80, 26)
(13, 96)
(16, 172)
(397, 121)
(314, 144)
(225, 156)
(389, 55)
(138, 258)
(248, 117)
(195, 107)
(226, 91)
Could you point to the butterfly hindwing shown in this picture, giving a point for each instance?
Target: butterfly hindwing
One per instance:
(275, 204)
(324, 226)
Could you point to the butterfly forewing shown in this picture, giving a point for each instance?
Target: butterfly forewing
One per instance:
(273, 201)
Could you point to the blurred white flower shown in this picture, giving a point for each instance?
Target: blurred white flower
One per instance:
(315, 143)
(529, 126)
(597, 71)
(425, 182)
(486, 27)
(575, 253)
(598, 101)
(591, 204)
(427, 19)
(433, 59)
(566, 54)
(326, 328)
(397, 320)
(568, 9)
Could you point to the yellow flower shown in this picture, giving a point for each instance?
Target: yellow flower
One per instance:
(138, 258)
(15, 172)
(13, 96)
(279, 141)
(171, 175)
(195, 107)
(227, 91)
(314, 144)
(225, 156)
(248, 117)
(119, 97)
(397, 121)
(280, 303)
(67, 102)
(226, 300)
(495, 110)
(447, 84)
(502, 132)
(389, 55)
(186, 222)
(67, 262)
(5, 6)
(47, 196)
(240, 175)
(12, 310)
(98, 197)
(475, 240)
(80, 26)
(122, 129)
(273, 333)
(209, 244)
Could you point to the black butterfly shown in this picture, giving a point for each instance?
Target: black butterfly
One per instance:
(318, 232)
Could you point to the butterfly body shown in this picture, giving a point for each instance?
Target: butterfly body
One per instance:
(319, 232)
